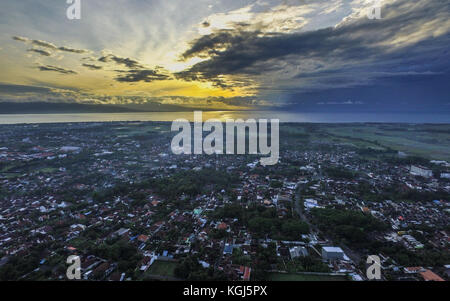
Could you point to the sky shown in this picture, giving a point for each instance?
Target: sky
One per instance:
(301, 55)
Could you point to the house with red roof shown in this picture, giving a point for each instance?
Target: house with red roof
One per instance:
(430, 276)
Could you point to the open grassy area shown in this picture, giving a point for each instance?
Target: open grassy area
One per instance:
(162, 268)
(48, 170)
(302, 277)
(138, 129)
(10, 175)
(429, 141)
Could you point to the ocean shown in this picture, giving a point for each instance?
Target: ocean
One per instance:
(295, 117)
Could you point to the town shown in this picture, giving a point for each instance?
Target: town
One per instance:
(182, 144)
(115, 195)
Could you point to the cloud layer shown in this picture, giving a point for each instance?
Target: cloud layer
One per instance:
(273, 52)
(408, 41)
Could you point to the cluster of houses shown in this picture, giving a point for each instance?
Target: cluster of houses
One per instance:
(48, 182)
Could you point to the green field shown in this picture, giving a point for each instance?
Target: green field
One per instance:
(138, 129)
(162, 268)
(48, 170)
(429, 141)
(302, 277)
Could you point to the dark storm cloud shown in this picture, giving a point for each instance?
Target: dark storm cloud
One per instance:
(355, 52)
(138, 75)
(130, 63)
(40, 51)
(209, 45)
(92, 66)
(27, 93)
(55, 69)
(11, 89)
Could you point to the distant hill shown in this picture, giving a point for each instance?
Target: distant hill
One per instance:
(66, 108)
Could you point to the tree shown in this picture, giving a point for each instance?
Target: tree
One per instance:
(293, 229)
(186, 267)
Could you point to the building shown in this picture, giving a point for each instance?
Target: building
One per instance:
(298, 252)
(121, 232)
(445, 175)
(247, 273)
(421, 171)
(332, 253)
(143, 238)
(70, 149)
(222, 226)
(310, 203)
(412, 242)
(402, 154)
(228, 250)
(430, 276)
(447, 270)
(413, 270)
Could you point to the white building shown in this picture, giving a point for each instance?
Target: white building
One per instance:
(421, 171)
(311, 203)
(332, 253)
(298, 252)
(70, 149)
